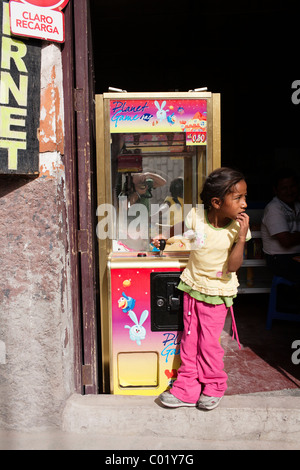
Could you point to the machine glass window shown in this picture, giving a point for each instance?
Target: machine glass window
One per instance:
(156, 179)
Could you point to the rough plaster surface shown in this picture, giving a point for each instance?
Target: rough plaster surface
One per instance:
(36, 314)
(51, 117)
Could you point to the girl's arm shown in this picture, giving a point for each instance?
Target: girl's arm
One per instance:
(236, 256)
(178, 228)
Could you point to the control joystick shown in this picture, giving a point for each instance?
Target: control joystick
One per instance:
(162, 246)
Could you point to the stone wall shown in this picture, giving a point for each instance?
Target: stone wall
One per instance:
(36, 338)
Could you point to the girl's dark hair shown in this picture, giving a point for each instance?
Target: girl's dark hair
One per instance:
(219, 183)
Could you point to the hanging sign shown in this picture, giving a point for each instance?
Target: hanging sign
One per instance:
(42, 19)
(184, 115)
(20, 64)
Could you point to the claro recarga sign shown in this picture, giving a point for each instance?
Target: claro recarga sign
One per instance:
(42, 19)
(20, 63)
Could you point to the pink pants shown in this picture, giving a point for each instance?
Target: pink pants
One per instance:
(201, 354)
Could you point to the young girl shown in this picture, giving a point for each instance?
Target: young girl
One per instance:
(210, 283)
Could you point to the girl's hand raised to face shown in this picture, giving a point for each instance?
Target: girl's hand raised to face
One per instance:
(243, 220)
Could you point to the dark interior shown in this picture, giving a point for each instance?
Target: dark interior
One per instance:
(247, 51)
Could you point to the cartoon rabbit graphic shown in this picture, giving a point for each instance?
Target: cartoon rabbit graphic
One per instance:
(137, 332)
(161, 113)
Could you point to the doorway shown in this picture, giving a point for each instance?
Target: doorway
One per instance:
(122, 46)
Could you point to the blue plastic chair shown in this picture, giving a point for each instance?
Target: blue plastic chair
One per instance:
(273, 313)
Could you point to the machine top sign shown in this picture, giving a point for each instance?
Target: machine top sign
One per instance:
(170, 115)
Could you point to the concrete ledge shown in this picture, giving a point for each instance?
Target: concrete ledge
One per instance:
(240, 417)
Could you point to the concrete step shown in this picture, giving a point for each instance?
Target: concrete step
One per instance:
(268, 417)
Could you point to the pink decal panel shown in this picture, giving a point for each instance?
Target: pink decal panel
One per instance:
(144, 362)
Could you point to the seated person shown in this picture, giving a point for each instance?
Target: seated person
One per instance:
(280, 228)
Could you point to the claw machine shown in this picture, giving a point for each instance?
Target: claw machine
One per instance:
(154, 151)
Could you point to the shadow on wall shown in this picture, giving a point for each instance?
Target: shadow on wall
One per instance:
(9, 183)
